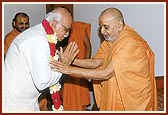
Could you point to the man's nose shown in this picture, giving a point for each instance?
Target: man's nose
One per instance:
(66, 34)
(25, 25)
(102, 31)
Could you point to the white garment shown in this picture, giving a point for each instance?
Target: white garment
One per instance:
(27, 70)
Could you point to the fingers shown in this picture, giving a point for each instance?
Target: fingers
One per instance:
(59, 67)
(72, 47)
(69, 54)
(61, 51)
(55, 65)
(76, 52)
(69, 46)
(52, 64)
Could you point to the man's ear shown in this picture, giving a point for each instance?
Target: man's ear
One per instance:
(54, 22)
(14, 23)
(120, 25)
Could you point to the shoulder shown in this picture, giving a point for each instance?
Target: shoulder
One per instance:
(11, 35)
(32, 36)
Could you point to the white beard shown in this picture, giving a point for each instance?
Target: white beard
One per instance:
(108, 37)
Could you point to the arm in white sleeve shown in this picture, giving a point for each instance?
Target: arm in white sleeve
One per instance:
(37, 55)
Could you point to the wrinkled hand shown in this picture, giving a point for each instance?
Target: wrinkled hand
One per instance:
(60, 67)
(69, 54)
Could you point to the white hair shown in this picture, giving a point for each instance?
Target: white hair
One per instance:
(52, 16)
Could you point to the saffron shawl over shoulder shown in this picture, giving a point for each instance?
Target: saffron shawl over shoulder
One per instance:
(133, 87)
(9, 38)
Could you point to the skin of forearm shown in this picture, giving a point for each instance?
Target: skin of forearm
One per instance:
(88, 63)
(95, 74)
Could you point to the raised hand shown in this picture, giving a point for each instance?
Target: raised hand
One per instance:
(69, 54)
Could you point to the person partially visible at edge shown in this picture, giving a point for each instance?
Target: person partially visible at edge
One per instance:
(26, 68)
(19, 23)
(123, 67)
(75, 90)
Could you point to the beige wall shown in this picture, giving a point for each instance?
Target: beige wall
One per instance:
(36, 13)
(147, 19)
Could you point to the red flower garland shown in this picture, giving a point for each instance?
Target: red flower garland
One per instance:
(57, 100)
(49, 31)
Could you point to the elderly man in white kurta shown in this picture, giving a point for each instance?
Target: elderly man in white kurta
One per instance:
(26, 69)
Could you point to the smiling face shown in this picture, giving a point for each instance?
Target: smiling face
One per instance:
(62, 25)
(108, 28)
(21, 23)
(110, 25)
(61, 30)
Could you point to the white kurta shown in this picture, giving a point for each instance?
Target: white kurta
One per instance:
(27, 70)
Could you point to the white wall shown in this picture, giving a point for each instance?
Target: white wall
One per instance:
(147, 19)
(36, 13)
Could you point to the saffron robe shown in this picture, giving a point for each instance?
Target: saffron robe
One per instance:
(133, 86)
(76, 92)
(9, 38)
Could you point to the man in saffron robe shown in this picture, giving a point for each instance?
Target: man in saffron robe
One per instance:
(123, 67)
(20, 23)
(75, 91)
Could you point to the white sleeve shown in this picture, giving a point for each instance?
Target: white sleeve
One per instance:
(37, 55)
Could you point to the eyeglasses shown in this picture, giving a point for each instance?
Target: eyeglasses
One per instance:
(65, 28)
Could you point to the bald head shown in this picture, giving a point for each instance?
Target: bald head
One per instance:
(60, 20)
(111, 22)
(21, 21)
(113, 14)
(60, 14)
